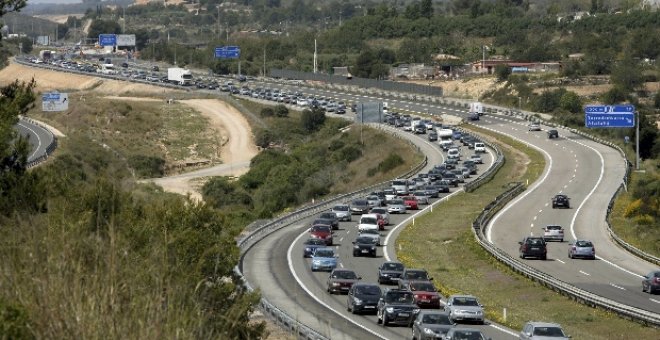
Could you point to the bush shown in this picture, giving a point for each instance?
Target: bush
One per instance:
(633, 208)
(147, 166)
(645, 220)
(348, 154)
(267, 112)
(281, 111)
(312, 120)
(263, 137)
(14, 322)
(392, 161)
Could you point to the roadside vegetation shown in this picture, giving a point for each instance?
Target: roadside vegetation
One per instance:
(443, 242)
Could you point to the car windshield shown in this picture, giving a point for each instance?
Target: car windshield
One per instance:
(370, 231)
(465, 301)
(415, 274)
(360, 202)
(535, 241)
(320, 229)
(467, 335)
(340, 208)
(379, 211)
(397, 202)
(364, 240)
(583, 244)
(553, 227)
(399, 183)
(420, 193)
(315, 241)
(422, 286)
(436, 319)
(400, 297)
(372, 198)
(548, 331)
(368, 290)
(368, 220)
(324, 253)
(344, 274)
(329, 216)
(393, 266)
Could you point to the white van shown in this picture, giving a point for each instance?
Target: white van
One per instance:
(479, 147)
(400, 186)
(453, 153)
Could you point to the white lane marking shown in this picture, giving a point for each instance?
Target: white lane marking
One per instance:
(341, 264)
(546, 204)
(535, 218)
(532, 225)
(309, 292)
(565, 186)
(585, 273)
(341, 239)
(36, 135)
(615, 286)
(561, 261)
(540, 211)
(654, 300)
(348, 231)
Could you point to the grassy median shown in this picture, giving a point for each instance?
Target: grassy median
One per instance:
(443, 243)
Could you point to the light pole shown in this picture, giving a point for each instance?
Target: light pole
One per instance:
(637, 141)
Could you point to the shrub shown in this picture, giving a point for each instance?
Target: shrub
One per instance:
(312, 120)
(14, 322)
(263, 137)
(281, 111)
(267, 112)
(147, 166)
(633, 208)
(392, 161)
(645, 220)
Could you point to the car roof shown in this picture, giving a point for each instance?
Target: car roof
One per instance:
(543, 324)
(369, 215)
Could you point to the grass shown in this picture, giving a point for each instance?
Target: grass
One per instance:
(174, 133)
(443, 243)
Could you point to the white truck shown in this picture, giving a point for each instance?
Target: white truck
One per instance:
(179, 76)
(445, 134)
(476, 107)
(106, 69)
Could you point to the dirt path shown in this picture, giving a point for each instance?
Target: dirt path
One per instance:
(236, 153)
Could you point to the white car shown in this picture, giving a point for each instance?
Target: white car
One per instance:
(534, 127)
(477, 159)
(465, 308)
(368, 222)
(479, 147)
(302, 102)
(421, 197)
(396, 206)
(383, 213)
(453, 153)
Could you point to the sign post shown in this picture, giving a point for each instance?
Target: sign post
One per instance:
(613, 116)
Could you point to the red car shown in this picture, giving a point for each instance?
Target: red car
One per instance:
(426, 296)
(322, 232)
(410, 202)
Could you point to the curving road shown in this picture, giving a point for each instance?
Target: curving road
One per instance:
(40, 138)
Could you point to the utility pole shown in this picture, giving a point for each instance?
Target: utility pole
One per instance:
(315, 66)
(637, 141)
(123, 29)
(483, 58)
(264, 62)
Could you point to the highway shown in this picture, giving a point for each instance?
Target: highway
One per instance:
(40, 138)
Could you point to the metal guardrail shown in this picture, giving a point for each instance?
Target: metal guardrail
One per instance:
(488, 175)
(49, 149)
(626, 178)
(591, 299)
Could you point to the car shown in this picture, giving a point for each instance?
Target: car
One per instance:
(561, 200)
(553, 134)
(375, 234)
(534, 127)
(421, 197)
(651, 282)
(341, 280)
(363, 297)
(323, 221)
(410, 202)
(124, 65)
(384, 214)
(460, 333)
(465, 308)
(446, 144)
(397, 306)
(431, 324)
(390, 272)
(343, 212)
(359, 206)
(473, 116)
(581, 248)
(369, 221)
(426, 295)
(155, 68)
(374, 201)
(396, 206)
(364, 246)
(310, 246)
(542, 330)
(477, 159)
(453, 153)
(322, 232)
(332, 218)
(432, 136)
(553, 232)
(324, 259)
(533, 246)
(414, 274)
(432, 191)
(390, 194)
(479, 147)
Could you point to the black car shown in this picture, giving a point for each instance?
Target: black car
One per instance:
(332, 217)
(397, 306)
(310, 246)
(363, 297)
(561, 201)
(390, 272)
(155, 68)
(451, 178)
(532, 246)
(553, 134)
(124, 64)
(410, 274)
(364, 246)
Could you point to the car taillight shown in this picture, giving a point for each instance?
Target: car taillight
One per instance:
(561, 231)
(593, 250)
(656, 279)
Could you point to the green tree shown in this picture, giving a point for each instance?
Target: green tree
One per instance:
(426, 8)
(281, 111)
(502, 72)
(570, 102)
(99, 26)
(312, 120)
(7, 6)
(627, 75)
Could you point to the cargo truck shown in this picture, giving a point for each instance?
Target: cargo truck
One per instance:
(477, 108)
(179, 76)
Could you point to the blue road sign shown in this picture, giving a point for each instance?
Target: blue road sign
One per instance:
(227, 52)
(107, 39)
(609, 120)
(609, 109)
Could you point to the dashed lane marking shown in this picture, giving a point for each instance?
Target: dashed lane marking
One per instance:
(560, 261)
(617, 287)
(585, 273)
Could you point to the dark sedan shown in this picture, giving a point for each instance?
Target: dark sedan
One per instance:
(359, 207)
(341, 280)
(389, 272)
(431, 324)
(363, 297)
(364, 246)
(310, 246)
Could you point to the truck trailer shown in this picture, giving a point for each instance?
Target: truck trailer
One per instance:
(179, 76)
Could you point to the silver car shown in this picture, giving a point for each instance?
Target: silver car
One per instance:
(534, 127)
(383, 213)
(581, 248)
(374, 201)
(542, 330)
(464, 333)
(372, 233)
(465, 308)
(421, 197)
(396, 207)
(431, 324)
(553, 233)
(343, 212)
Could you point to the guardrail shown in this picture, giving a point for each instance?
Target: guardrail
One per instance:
(488, 175)
(49, 149)
(626, 178)
(591, 299)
